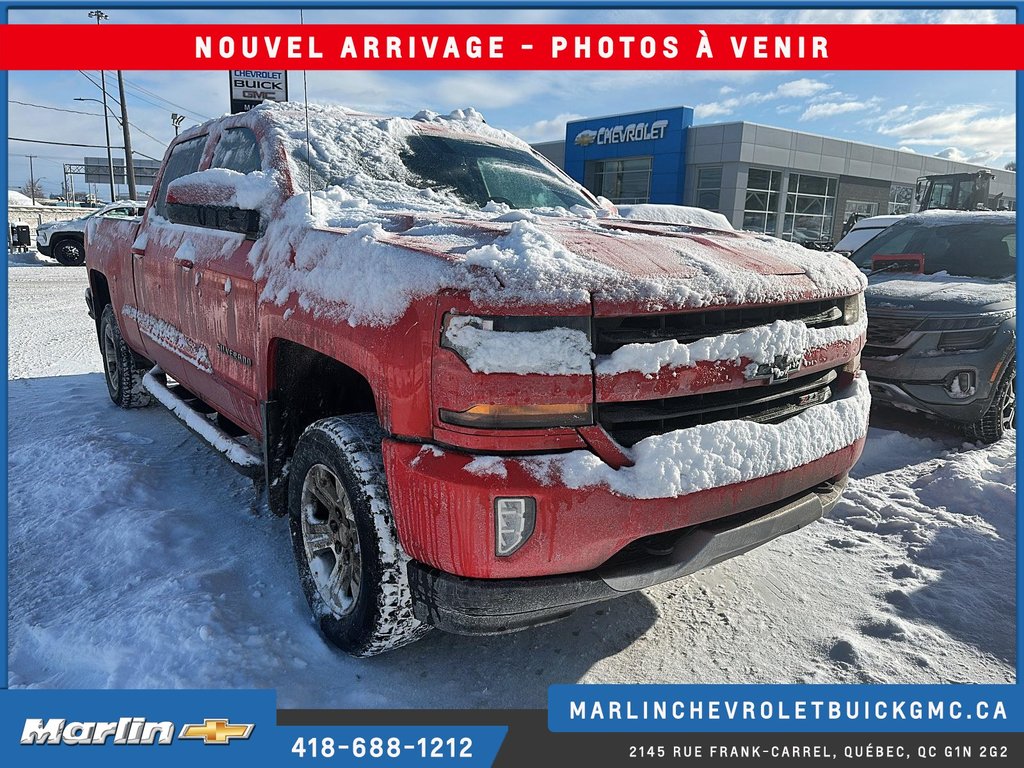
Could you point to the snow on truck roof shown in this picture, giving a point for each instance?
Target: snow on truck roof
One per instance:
(352, 263)
(945, 218)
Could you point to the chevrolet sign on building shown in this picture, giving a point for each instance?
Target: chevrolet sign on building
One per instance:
(622, 134)
(631, 158)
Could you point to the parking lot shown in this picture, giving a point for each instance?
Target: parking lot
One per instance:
(139, 559)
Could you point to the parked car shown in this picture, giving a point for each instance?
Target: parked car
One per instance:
(65, 240)
(482, 400)
(864, 230)
(942, 318)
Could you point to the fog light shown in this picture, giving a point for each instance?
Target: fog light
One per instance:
(514, 519)
(961, 384)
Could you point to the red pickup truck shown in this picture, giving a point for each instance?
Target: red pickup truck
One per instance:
(483, 398)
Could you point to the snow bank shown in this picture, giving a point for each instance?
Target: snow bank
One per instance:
(940, 286)
(555, 351)
(675, 214)
(758, 345)
(14, 197)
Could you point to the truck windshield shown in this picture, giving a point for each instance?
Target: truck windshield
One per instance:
(969, 249)
(480, 173)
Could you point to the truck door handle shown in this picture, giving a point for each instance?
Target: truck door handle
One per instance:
(138, 253)
(186, 263)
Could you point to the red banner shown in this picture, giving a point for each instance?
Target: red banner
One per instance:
(513, 47)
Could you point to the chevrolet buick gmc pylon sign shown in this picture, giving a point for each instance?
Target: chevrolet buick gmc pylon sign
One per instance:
(250, 87)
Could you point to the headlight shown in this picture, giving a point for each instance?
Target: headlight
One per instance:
(989, 320)
(853, 309)
(958, 341)
(541, 416)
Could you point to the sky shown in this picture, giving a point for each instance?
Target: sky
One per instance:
(959, 115)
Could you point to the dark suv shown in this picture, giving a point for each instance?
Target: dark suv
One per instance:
(942, 318)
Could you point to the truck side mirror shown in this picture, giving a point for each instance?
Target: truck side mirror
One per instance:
(201, 200)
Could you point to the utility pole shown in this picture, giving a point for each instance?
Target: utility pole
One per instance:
(31, 178)
(100, 16)
(176, 121)
(129, 166)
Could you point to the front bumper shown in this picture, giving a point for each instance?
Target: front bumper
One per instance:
(915, 378)
(586, 512)
(496, 606)
(44, 248)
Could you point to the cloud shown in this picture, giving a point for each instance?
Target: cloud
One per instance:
(802, 88)
(833, 108)
(973, 130)
(547, 130)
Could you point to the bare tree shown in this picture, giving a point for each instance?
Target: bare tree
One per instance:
(33, 189)
(1011, 166)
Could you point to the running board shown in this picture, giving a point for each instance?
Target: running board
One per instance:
(241, 457)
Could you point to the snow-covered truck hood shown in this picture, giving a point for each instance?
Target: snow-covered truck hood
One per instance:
(940, 293)
(374, 239)
(372, 272)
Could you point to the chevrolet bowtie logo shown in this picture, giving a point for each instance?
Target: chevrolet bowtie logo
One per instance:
(216, 731)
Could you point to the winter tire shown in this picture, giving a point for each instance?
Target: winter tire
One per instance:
(351, 565)
(123, 369)
(69, 251)
(1001, 414)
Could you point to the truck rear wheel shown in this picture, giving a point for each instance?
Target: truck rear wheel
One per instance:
(351, 565)
(123, 368)
(69, 251)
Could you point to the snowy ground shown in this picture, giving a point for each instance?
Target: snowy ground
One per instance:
(139, 559)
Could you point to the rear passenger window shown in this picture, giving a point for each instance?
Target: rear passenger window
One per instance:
(238, 150)
(184, 159)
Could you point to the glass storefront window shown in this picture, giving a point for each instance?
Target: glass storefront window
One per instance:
(810, 205)
(762, 200)
(626, 181)
(901, 198)
(709, 188)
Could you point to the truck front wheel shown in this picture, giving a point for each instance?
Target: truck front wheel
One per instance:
(123, 368)
(351, 565)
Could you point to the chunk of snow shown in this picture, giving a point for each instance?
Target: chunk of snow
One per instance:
(170, 338)
(713, 455)
(757, 345)
(675, 214)
(487, 465)
(554, 351)
(222, 186)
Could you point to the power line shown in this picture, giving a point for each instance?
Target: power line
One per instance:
(138, 96)
(72, 144)
(138, 87)
(55, 109)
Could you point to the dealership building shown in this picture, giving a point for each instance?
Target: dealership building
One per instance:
(794, 185)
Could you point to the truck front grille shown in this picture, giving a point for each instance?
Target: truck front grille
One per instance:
(610, 333)
(629, 423)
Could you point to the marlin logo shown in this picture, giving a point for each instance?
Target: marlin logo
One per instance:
(585, 138)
